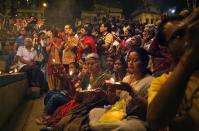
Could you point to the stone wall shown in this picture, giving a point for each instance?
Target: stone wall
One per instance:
(12, 92)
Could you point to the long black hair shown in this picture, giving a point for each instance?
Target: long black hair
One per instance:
(143, 56)
(88, 28)
(122, 60)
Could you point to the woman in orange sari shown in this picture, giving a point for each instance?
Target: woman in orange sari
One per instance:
(54, 61)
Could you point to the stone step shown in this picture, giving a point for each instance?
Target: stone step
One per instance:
(24, 118)
(19, 118)
(33, 93)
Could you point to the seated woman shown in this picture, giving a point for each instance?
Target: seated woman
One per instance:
(96, 79)
(138, 76)
(139, 79)
(57, 98)
(119, 69)
(54, 99)
(96, 76)
(117, 117)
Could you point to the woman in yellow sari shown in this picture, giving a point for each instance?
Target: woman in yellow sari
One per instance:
(69, 52)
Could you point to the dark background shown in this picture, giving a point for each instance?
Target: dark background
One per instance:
(71, 9)
(66, 11)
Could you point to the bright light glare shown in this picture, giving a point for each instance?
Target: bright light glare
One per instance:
(173, 11)
(45, 5)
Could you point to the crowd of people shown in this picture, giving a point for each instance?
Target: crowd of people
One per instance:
(110, 76)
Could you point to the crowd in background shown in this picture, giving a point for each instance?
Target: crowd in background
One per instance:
(127, 66)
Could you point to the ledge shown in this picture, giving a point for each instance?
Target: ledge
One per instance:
(12, 92)
(6, 79)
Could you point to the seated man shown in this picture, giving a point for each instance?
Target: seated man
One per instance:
(173, 97)
(26, 55)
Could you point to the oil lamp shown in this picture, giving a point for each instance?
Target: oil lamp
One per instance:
(89, 87)
(71, 73)
(15, 70)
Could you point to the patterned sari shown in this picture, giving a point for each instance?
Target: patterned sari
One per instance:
(54, 64)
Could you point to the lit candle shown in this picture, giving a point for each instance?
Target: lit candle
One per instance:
(71, 73)
(118, 83)
(53, 60)
(11, 71)
(112, 80)
(15, 70)
(89, 87)
(0, 72)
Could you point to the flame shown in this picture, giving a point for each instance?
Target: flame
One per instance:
(53, 60)
(89, 87)
(112, 80)
(71, 73)
(15, 70)
(11, 71)
(118, 83)
(0, 72)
